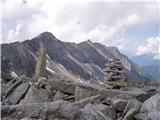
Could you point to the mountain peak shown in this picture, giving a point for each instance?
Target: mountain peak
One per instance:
(87, 42)
(47, 34)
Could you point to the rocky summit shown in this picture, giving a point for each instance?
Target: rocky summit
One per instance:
(47, 79)
(68, 100)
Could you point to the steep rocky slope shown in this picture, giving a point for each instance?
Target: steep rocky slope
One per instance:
(84, 60)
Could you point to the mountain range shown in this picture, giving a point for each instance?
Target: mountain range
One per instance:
(83, 61)
(149, 64)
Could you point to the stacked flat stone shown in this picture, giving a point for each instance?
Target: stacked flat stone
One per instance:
(115, 72)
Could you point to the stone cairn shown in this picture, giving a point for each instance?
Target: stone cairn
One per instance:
(115, 73)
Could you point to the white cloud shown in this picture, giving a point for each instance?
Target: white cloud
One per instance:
(76, 22)
(152, 46)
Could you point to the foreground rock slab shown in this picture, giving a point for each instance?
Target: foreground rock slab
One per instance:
(151, 107)
(35, 95)
(17, 94)
(91, 113)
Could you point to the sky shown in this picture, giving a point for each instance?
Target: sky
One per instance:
(132, 26)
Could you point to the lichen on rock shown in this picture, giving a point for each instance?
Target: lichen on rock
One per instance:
(40, 70)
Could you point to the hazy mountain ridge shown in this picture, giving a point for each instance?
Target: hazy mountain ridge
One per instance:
(148, 64)
(154, 70)
(80, 60)
(144, 60)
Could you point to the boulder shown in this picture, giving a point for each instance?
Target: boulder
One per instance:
(59, 96)
(138, 93)
(81, 93)
(140, 116)
(154, 115)
(83, 102)
(12, 88)
(131, 109)
(70, 112)
(6, 77)
(151, 107)
(4, 88)
(35, 95)
(123, 96)
(106, 110)
(151, 104)
(91, 113)
(119, 104)
(48, 110)
(64, 87)
(17, 94)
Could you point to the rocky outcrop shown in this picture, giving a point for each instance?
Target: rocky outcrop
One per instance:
(35, 95)
(89, 112)
(17, 94)
(66, 100)
(40, 70)
(151, 108)
(131, 109)
(119, 104)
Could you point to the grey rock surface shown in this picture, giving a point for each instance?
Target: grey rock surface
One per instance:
(91, 113)
(36, 95)
(59, 96)
(151, 104)
(106, 110)
(131, 109)
(17, 94)
(119, 104)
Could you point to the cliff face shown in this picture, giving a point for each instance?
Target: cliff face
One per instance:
(73, 61)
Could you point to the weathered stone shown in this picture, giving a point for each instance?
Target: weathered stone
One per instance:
(87, 90)
(137, 93)
(106, 110)
(95, 90)
(70, 98)
(83, 102)
(35, 95)
(154, 115)
(47, 110)
(82, 93)
(91, 113)
(70, 112)
(17, 94)
(131, 109)
(4, 88)
(107, 101)
(140, 116)
(151, 104)
(64, 87)
(119, 104)
(6, 77)
(123, 96)
(11, 89)
(116, 83)
(40, 70)
(59, 96)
